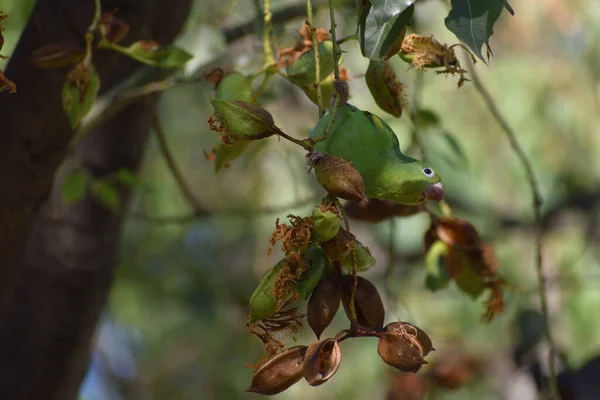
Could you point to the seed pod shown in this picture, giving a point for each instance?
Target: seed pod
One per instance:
(321, 361)
(338, 177)
(359, 258)
(385, 87)
(262, 302)
(323, 305)
(340, 246)
(242, 120)
(327, 91)
(310, 279)
(403, 346)
(302, 71)
(370, 312)
(231, 87)
(326, 224)
(280, 372)
(234, 86)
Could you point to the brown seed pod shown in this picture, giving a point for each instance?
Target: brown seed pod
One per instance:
(403, 346)
(280, 372)
(323, 305)
(338, 177)
(340, 246)
(458, 233)
(321, 361)
(370, 312)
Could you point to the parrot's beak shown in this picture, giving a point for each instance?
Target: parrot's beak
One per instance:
(434, 192)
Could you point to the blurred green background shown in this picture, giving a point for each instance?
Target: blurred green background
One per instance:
(174, 327)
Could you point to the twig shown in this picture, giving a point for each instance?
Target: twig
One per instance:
(194, 216)
(313, 32)
(389, 268)
(336, 47)
(537, 209)
(170, 161)
(267, 31)
(89, 34)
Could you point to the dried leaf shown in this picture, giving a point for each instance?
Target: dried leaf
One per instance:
(55, 55)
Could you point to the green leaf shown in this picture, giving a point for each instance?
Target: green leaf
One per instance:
(107, 194)
(509, 8)
(74, 187)
(425, 118)
(472, 21)
(79, 92)
(456, 149)
(151, 53)
(381, 23)
(128, 178)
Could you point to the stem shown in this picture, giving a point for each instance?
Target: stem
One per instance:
(313, 32)
(89, 34)
(260, 89)
(305, 143)
(333, 39)
(170, 160)
(537, 209)
(267, 31)
(352, 306)
(336, 105)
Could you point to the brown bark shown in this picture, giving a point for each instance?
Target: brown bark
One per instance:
(62, 282)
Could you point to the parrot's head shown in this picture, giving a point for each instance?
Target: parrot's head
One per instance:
(420, 182)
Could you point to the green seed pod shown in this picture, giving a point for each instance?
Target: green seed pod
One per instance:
(233, 86)
(242, 120)
(327, 91)
(385, 87)
(302, 71)
(310, 279)
(262, 303)
(326, 224)
(359, 257)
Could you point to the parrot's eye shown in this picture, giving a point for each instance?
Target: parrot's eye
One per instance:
(428, 172)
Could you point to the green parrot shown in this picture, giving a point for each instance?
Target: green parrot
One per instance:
(372, 147)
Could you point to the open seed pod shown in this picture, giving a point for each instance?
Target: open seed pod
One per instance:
(404, 346)
(385, 88)
(326, 223)
(280, 372)
(323, 305)
(338, 177)
(263, 303)
(370, 312)
(302, 71)
(340, 246)
(321, 361)
(358, 258)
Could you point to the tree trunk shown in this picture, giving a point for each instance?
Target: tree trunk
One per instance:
(59, 261)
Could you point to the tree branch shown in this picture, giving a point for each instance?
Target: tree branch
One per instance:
(537, 210)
